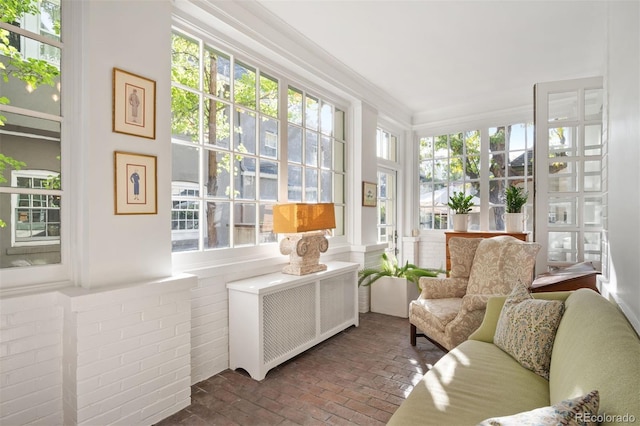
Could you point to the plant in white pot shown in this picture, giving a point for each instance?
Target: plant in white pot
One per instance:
(395, 286)
(515, 199)
(461, 205)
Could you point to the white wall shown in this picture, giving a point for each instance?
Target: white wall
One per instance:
(623, 86)
(134, 36)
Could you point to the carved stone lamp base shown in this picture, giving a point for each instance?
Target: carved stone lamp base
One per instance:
(304, 252)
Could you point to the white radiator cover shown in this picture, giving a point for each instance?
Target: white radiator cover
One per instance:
(274, 317)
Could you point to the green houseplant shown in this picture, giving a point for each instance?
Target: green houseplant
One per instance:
(389, 267)
(396, 286)
(515, 199)
(461, 205)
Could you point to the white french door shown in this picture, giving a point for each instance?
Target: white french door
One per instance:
(387, 208)
(570, 173)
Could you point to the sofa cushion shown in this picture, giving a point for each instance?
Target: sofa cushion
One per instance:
(474, 381)
(596, 348)
(582, 410)
(527, 328)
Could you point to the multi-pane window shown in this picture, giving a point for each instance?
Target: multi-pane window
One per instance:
(315, 152)
(386, 145)
(36, 216)
(448, 163)
(30, 116)
(453, 163)
(229, 149)
(225, 130)
(510, 164)
(387, 153)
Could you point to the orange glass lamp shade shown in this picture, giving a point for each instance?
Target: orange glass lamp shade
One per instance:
(304, 225)
(300, 217)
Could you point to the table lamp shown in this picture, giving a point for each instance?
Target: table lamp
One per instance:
(304, 226)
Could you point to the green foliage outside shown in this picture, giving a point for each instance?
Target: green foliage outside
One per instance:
(33, 72)
(249, 90)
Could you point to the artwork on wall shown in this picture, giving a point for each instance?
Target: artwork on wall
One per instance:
(134, 104)
(369, 194)
(135, 183)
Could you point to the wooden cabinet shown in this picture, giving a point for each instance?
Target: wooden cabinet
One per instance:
(276, 316)
(580, 275)
(478, 234)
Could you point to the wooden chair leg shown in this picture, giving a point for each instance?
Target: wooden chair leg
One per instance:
(412, 335)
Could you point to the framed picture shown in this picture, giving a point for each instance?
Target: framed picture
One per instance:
(134, 104)
(135, 183)
(369, 194)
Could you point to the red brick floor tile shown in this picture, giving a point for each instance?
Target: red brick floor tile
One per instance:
(358, 377)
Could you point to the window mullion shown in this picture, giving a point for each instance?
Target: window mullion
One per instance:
(485, 162)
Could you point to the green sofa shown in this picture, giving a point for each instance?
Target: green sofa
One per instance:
(595, 348)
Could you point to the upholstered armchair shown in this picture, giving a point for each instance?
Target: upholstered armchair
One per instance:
(449, 309)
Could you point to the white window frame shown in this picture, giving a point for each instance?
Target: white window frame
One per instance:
(286, 77)
(17, 280)
(480, 217)
(31, 174)
(387, 151)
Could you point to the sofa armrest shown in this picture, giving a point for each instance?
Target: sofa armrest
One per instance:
(442, 288)
(494, 306)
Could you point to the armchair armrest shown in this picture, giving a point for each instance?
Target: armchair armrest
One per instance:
(475, 302)
(442, 288)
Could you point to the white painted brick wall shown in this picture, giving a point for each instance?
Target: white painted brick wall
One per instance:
(210, 328)
(129, 354)
(432, 250)
(31, 360)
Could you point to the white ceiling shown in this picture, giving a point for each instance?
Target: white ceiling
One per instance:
(442, 55)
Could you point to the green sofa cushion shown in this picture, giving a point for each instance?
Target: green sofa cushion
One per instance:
(473, 382)
(596, 348)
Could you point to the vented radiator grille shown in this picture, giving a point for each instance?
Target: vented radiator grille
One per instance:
(336, 302)
(282, 309)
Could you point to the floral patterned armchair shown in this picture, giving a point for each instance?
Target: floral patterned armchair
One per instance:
(449, 309)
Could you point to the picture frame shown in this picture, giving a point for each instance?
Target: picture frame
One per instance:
(136, 183)
(134, 104)
(369, 194)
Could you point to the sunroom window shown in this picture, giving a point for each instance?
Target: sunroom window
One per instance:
(454, 162)
(232, 158)
(31, 196)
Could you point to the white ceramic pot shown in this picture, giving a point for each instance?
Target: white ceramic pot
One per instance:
(391, 296)
(460, 222)
(514, 222)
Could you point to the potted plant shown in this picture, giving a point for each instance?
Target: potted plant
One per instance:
(395, 286)
(461, 205)
(515, 199)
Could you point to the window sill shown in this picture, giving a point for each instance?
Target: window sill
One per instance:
(50, 248)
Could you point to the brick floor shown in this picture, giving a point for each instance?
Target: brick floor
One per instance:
(359, 376)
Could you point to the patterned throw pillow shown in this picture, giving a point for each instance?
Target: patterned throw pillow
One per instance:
(527, 328)
(581, 411)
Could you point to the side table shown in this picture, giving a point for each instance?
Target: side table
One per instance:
(567, 279)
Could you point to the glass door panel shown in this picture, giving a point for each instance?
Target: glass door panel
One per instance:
(569, 185)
